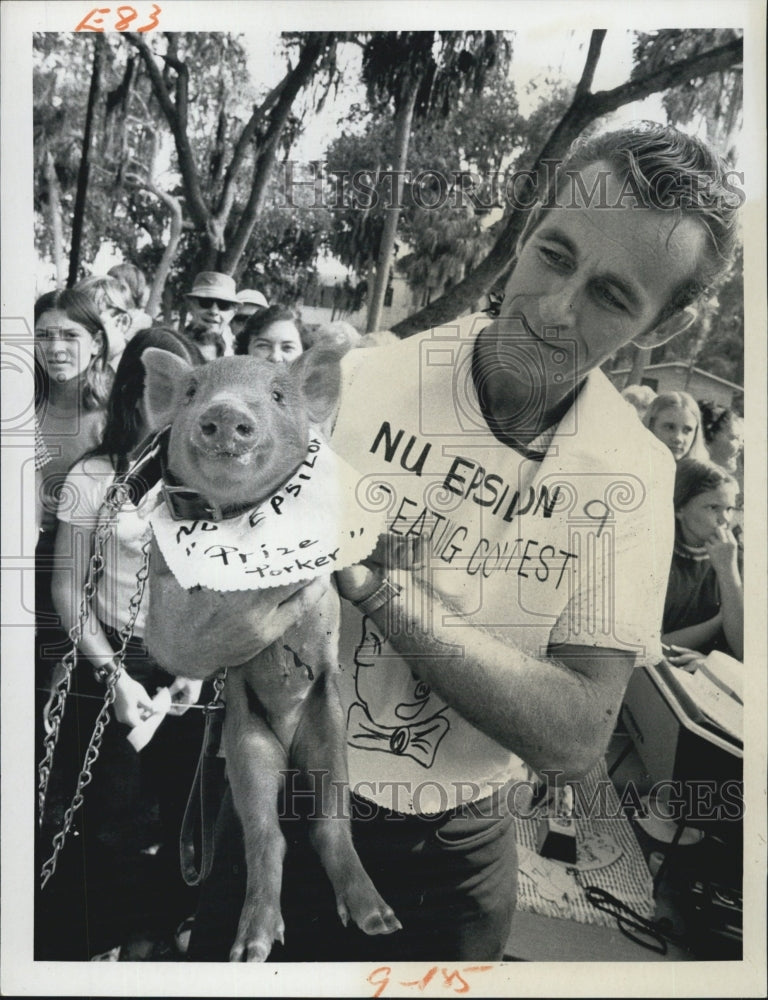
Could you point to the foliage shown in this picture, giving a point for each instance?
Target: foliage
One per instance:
(716, 97)
(134, 155)
(454, 164)
(716, 341)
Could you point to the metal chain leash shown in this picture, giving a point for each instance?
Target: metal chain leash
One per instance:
(112, 503)
(115, 497)
(219, 683)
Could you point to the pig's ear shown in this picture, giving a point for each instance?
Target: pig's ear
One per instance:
(319, 374)
(165, 375)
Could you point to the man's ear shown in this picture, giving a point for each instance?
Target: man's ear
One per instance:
(165, 373)
(668, 328)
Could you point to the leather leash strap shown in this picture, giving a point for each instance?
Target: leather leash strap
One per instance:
(204, 800)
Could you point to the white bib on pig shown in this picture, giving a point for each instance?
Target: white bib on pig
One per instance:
(570, 545)
(310, 527)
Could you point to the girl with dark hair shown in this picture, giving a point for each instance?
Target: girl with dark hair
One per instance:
(72, 384)
(724, 435)
(274, 334)
(126, 786)
(704, 607)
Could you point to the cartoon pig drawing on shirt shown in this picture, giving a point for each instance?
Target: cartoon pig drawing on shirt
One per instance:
(412, 726)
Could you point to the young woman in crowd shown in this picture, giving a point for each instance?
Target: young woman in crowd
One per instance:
(72, 384)
(137, 290)
(675, 419)
(126, 785)
(135, 283)
(274, 334)
(704, 607)
(724, 435)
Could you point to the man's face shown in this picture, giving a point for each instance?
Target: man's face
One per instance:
(213, 314)
(590, 279)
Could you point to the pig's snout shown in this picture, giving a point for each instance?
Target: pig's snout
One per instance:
(225, 428)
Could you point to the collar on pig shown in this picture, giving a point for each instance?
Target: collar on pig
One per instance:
(151, 465)
(189, 505)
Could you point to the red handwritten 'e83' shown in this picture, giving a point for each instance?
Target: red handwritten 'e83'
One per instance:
(124, 18)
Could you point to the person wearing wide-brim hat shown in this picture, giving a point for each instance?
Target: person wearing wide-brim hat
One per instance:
(250, 301)
(212, 304)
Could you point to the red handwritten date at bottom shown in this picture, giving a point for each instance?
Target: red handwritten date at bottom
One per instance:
(124, 16)
(455, 980)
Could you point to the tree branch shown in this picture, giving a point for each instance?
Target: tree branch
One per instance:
(310, 53)
(596, 40)
(176, 116)
(583, 110)
(241, 148)
(721, 58)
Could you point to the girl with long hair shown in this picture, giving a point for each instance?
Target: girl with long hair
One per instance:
(704, 606)
(675, 419)
(72, 385)
(121, 906)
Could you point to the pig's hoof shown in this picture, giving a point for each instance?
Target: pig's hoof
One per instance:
(258, 930)
(368, 910)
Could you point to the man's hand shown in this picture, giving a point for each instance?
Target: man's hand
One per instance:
(392, 552)
(722, 549)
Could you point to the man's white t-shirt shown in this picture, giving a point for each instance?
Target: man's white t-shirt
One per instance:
(571, 547)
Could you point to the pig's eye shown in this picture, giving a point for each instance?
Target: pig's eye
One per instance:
(278, 396)
(191, 390)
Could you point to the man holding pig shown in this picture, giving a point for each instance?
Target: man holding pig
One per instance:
(492, 634)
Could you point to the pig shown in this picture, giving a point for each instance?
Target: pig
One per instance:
(239, 428)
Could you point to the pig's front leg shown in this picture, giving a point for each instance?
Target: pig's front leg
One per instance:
(255, 763)
(319, 751)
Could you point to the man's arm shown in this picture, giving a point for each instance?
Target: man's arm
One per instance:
(555, 713)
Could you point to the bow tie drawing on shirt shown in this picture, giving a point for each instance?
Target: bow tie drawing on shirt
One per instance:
(419, 740)
(406, 721)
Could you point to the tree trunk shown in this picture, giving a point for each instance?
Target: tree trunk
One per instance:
(640, 358)
(403, 120)
(78, 216)
(54, 213)
(155, 301)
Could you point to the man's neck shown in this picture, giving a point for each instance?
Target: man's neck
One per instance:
(509, 414)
